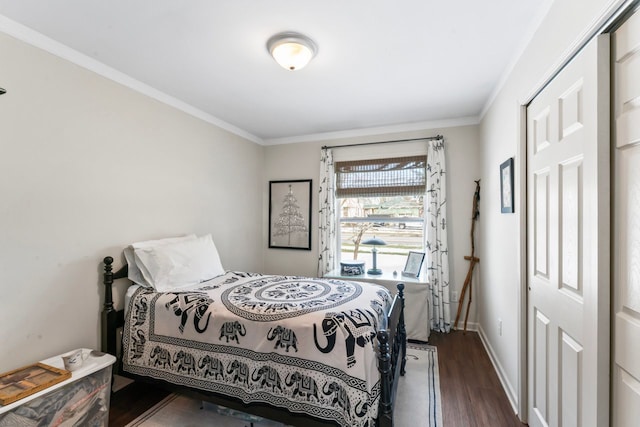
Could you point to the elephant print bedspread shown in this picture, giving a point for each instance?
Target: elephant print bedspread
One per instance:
(295, 342)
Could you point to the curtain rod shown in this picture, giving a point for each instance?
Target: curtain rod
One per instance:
(426, 138)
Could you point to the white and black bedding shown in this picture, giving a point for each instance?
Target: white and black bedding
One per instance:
(307, 345)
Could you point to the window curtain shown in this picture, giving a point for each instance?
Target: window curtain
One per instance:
(327, 214)
(437, 246)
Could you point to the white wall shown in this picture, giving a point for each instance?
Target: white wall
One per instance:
(302, 161)
(566, 21)
(88, 166)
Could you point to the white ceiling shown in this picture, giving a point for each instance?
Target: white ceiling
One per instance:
(381, 64)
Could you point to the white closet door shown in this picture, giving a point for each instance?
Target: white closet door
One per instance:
(626, 262)
(568, 207)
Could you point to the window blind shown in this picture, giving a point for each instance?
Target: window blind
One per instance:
(400, 176)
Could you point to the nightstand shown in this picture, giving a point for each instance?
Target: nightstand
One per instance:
(416, 292)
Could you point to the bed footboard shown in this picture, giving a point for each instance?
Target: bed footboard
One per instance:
(392, 349)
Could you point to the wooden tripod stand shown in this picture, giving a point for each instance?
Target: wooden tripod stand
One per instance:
(472, 261)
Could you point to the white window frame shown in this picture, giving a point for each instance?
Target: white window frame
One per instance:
(398, 149)
(339, 220)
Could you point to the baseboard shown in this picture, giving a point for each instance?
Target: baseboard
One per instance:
(506, 385)
(471, 326)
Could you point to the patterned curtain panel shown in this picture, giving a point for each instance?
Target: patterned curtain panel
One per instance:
(327, 214)
(437, 246)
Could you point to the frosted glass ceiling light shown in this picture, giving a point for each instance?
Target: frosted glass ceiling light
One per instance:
(291, 50)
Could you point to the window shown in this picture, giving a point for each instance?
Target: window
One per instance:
(382, 198)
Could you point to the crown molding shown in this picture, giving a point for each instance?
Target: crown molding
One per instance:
(524, 43)
(34, 38)
(353, 133)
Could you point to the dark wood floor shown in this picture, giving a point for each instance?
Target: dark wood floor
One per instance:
(132, 401)
(472, 395)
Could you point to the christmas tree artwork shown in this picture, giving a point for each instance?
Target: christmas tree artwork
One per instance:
(290, 220)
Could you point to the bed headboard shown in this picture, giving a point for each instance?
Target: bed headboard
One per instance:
(112, 319)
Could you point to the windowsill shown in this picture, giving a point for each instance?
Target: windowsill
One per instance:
(386, 276)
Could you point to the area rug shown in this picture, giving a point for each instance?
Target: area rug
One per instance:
(417, 404)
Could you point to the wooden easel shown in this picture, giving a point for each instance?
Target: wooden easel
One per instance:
(472, 261)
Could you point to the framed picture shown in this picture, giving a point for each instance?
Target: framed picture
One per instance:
(25, 381)
(414, 264)
(506, 186)
(290, 214)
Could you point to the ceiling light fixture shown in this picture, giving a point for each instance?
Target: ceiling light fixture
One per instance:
(291, 50)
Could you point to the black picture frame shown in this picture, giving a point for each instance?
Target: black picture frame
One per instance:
(413, 265)
(506, 186)
(290, 214)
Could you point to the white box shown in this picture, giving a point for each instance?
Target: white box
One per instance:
(82, 399)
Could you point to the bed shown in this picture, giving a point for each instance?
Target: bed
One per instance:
(298, 350)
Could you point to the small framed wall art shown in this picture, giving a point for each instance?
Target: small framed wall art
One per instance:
(506, 186)
(290, 214)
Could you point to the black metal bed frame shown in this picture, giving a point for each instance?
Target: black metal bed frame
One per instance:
(392, 348)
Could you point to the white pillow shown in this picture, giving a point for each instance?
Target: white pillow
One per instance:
(180, 264)
(135, 266)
